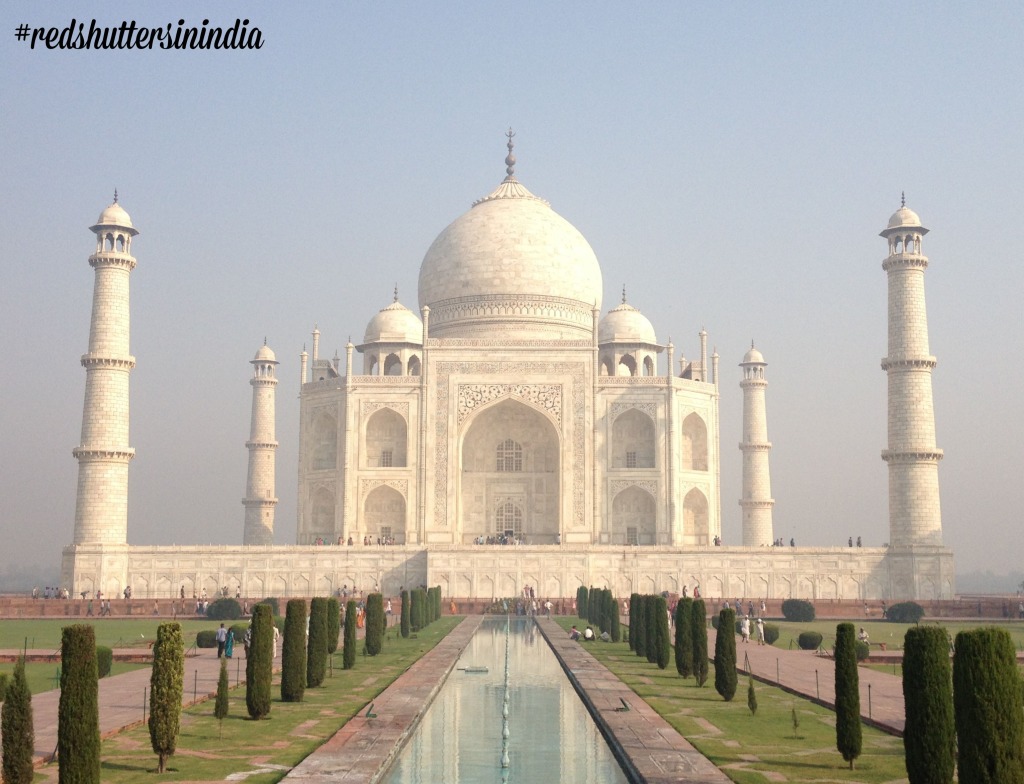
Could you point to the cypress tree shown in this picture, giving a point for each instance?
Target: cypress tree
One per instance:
(699, 632)
(165, 688)
(78, 716)
(848, 728)
(333, 624)
(663, 641)
(416, 611)
(651, 630)
(293, 656)
(616, 631)
(437, 602)
(16, 727)
(220, 706)
(751, 696)
(348, 658)
(375, 623)
(259, 666)
(929, 735)
(316, 646)
(582, 602)
(987, 704)
(634, 600)
(406, 610)
(725, 655)
(638, 625)
(684, 637)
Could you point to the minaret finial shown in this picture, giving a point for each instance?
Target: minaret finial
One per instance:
(751, 342)
(903, 199)
(396, 291)
(623, 293)
(510, 159)
(264, 340)
(115, 195)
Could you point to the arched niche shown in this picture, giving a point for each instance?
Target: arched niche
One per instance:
(386, 439)
(695, 518)
(633, 440)
(634, 518)
(325, 442)
(509, 454)
(384, 514)
(695, 444)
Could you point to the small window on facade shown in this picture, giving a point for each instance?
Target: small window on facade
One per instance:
(630, 459)
(386, 459)
(385, 532)
(631, 536)
(510, 456)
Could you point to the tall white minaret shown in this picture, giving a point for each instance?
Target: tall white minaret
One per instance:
(101, 507)
(260, 499)
(757, 501)
(914, 514)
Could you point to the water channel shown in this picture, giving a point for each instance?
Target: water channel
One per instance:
(552, 737)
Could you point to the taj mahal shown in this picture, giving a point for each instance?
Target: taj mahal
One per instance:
(508, 432)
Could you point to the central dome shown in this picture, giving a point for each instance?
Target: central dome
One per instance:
(511, 266)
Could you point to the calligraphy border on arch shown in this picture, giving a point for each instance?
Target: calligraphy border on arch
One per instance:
(368, 407)
(545, 396)
(441, 445)
(648, 407)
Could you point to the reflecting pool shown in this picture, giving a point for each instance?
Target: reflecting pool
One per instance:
(552, 737)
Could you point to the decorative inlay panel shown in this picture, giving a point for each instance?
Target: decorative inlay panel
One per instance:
(650, 485)
(369, 407)
(545, 396)
(647, 407)
(366, 485)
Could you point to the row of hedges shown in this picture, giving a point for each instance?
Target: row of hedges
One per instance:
(802, 611)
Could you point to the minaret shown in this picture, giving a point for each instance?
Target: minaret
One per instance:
(914, 514)
(259, 498)
(101, 507)
(757, 501)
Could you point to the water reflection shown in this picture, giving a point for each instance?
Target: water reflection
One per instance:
(552, 737)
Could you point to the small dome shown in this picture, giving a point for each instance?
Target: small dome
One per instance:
(394, 324)
(753, 357)
(265, 354)
(625, 324)
(114, 215)
(904, 217)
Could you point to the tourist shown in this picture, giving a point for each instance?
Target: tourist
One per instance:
(222, 638)
(764, 607)
(277, 636)
(229, 644)
(605, 637)
(547, 606)
(588, 634)
(745, 628)
(247, 639)
(760, 631)
(574, 633)
(862, 636)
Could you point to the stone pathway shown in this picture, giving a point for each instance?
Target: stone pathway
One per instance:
(814, 677)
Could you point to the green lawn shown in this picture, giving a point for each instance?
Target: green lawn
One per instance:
(742, 744)
(112, 632)
(290, 733)
(891, 634)
(42, 676)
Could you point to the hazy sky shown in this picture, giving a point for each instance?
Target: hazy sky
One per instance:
(732, 164)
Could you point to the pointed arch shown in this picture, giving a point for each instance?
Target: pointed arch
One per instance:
(386, 439)
(695, 518)
(633, 440)
(325, 442)
(322, 513)
(648, 366)
(634, 517)
(392, 365)
(695, 444)
(414, 365)
(627, 366)
(384, 513)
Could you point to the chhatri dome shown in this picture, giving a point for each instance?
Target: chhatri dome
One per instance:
(511, 262)
(904, 217)
(115, 215)
(625, 324)
(394, 324)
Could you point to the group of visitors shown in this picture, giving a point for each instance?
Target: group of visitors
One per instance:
(588, 635)
(780, 543)
(52, 593)
(745, 629)
(501, 539)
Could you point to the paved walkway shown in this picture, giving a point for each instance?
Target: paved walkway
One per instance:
(813, 676)
(643, 741)
(123, 699)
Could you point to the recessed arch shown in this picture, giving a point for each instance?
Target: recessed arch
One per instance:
(634, 517)
(322, 513)
(392, 365)
(325, 441)
(648, 366)
(386, 439)
(509, 454)
(384, 514)
(695, 518)
(695, 444)
(633, 440)
(627, 366)
(414, 365)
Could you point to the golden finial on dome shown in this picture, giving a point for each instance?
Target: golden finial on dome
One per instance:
(115, 195)
(623, 293)
(510, 159)
(396, 292)
(903, 199)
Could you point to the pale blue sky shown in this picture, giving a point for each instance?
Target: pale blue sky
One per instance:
(732, 164)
